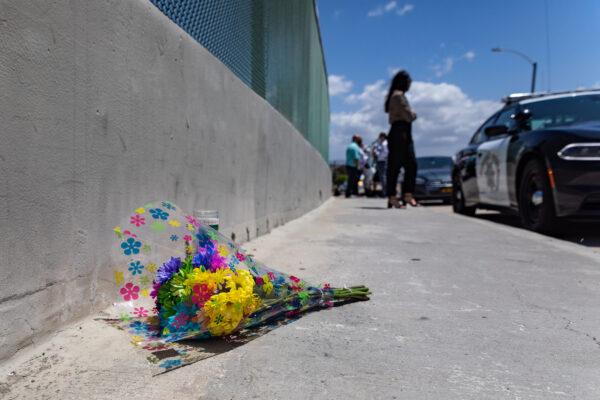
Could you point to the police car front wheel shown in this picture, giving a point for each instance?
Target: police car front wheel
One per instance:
(536, 205)
(458, 200)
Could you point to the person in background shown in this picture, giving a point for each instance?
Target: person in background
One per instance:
(380, 154)
(353, 162)
(364, 157)
(400, 143)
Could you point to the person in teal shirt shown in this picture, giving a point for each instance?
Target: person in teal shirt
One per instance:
(353, 159)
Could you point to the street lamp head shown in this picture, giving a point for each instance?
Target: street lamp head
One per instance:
(525, 57)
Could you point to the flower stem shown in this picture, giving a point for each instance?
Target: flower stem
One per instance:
(316, 298)
(353, 293)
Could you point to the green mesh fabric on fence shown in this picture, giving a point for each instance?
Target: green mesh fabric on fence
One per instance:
(274, 46)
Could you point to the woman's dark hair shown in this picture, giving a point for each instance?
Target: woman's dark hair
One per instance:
(400, 82)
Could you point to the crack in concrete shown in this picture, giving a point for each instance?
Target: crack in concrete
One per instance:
(122, 141)
(40, 289)
(568, 328)
(28, 293)
(29, 325)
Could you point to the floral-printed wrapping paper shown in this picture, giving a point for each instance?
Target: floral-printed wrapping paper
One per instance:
(148, 254)
(165, 356)
(149, 236)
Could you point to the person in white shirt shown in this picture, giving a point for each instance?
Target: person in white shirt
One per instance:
(380, 152)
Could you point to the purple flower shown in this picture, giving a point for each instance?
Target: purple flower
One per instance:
(217, 262)
(209, 258)
(167, 270)
(201, 259)
(204, 240)
(203, 256)
(155, 287)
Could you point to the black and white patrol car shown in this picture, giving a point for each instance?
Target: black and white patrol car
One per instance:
(539, 155)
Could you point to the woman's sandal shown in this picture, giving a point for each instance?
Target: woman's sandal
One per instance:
(395, 203)
(411, 202)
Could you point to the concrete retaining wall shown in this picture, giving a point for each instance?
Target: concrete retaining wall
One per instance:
(104, 106)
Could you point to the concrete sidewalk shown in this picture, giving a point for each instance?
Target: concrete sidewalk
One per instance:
(461, 309)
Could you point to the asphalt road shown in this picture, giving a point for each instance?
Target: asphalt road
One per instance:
(462, 308)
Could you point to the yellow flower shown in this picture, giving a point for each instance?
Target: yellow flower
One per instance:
(174, 223)
(135, 339)
(151, 267)
(140, 210)
(144, 292)
(225, 311)
(119, 277)
(190, 228)
(267, 286)
(218, 279)
(223, 251)
(117, 230)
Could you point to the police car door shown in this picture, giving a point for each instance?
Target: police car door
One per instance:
(491, 164)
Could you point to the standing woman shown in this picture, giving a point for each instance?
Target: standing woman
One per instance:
(400, 142)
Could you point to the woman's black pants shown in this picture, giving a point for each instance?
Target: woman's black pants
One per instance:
(401, 154)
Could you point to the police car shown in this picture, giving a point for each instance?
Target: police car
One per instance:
(539, 155)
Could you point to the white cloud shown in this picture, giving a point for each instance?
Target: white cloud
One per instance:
(469, 55)
(443, 68)
(405, 9)
(364, 117)
(389, 7)
(447, 117)
(338, 84)
(370, 93)
(380, 10)
(448, 63)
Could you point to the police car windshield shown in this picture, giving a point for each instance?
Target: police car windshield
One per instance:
(434, 162)
(563, 111)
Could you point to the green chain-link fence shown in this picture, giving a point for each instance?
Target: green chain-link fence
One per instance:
(274, 46)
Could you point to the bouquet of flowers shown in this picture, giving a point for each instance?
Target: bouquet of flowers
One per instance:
(206, 285)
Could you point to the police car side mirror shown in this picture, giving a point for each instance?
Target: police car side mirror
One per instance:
(522, 116)
(522, 119)
(496, 130)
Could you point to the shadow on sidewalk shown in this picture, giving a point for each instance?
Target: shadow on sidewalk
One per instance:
(583, 233)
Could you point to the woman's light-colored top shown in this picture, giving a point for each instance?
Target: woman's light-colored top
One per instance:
(399, 109)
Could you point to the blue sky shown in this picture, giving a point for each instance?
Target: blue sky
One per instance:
(445, 45)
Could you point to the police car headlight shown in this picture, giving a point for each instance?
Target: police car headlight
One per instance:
(580, 152)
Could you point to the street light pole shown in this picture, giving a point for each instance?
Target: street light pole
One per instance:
(533, 77)
(526, 58)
